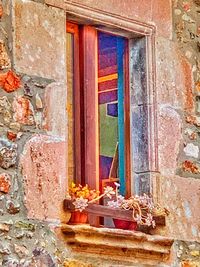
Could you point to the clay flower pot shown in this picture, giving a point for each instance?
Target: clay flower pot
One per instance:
(125, 225)
(78, 217)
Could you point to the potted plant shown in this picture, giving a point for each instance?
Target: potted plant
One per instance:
(81, 196)
(142, 207)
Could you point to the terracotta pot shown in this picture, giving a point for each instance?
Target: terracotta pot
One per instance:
(125, 225)
(78, 217)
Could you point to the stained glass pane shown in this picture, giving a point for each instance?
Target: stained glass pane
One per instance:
(110, 100)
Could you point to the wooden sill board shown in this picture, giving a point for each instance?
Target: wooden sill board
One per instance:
(104, 211)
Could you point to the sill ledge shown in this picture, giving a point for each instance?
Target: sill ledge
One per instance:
(116, 244)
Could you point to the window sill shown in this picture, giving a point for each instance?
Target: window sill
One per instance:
(116, 244)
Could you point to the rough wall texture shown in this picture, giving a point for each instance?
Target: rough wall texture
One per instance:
(33, 126)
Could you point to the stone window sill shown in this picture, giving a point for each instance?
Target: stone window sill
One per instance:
(116, 244)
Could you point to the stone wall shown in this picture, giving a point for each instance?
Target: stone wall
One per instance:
(33, 126)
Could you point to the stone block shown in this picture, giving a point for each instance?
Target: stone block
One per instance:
(12, 206)
(55, 117)
(5, 182)
(142, 183)
(191, 150)
(8, 153)
(169, 139)
(43, 165)
(39, 39)
(4, 59)
(138, 77)
(139, 138)
(42, 258)
(23, 111)
(9, 81)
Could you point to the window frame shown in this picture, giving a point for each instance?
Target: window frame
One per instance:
(128, 27)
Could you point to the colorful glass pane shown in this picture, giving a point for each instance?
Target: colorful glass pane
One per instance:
(110, 80)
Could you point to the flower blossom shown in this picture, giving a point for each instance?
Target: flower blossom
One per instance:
(80, 203)
(109, 191)
(113, 204)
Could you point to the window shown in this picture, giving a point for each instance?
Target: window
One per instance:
(89, 161)
(98, 107)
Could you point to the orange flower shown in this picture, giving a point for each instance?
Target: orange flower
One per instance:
(82, 191)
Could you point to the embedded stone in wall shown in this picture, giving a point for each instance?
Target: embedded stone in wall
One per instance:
(191, 134)
(11, 136)
(189, 166)
(12, 206)
(186, 6)
(191, 150)
(25, 225)
(21, 251)
(197, 2)
(5, 249)
(38, 102)
(8, 153)
(15, 126)
(4, 104)
(43, 258)
(55, 109)
(44, 158)
(5, 182)
(23, 110)
(9, 81)
(193, 120)
(4, 227)
(28, 90)
(31, 56)
(4, 59)
(169, 138)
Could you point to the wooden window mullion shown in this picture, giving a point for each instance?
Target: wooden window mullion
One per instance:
(90, 91)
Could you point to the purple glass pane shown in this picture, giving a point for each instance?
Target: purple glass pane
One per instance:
(107, 97)
(112, 110)
(104, 166)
